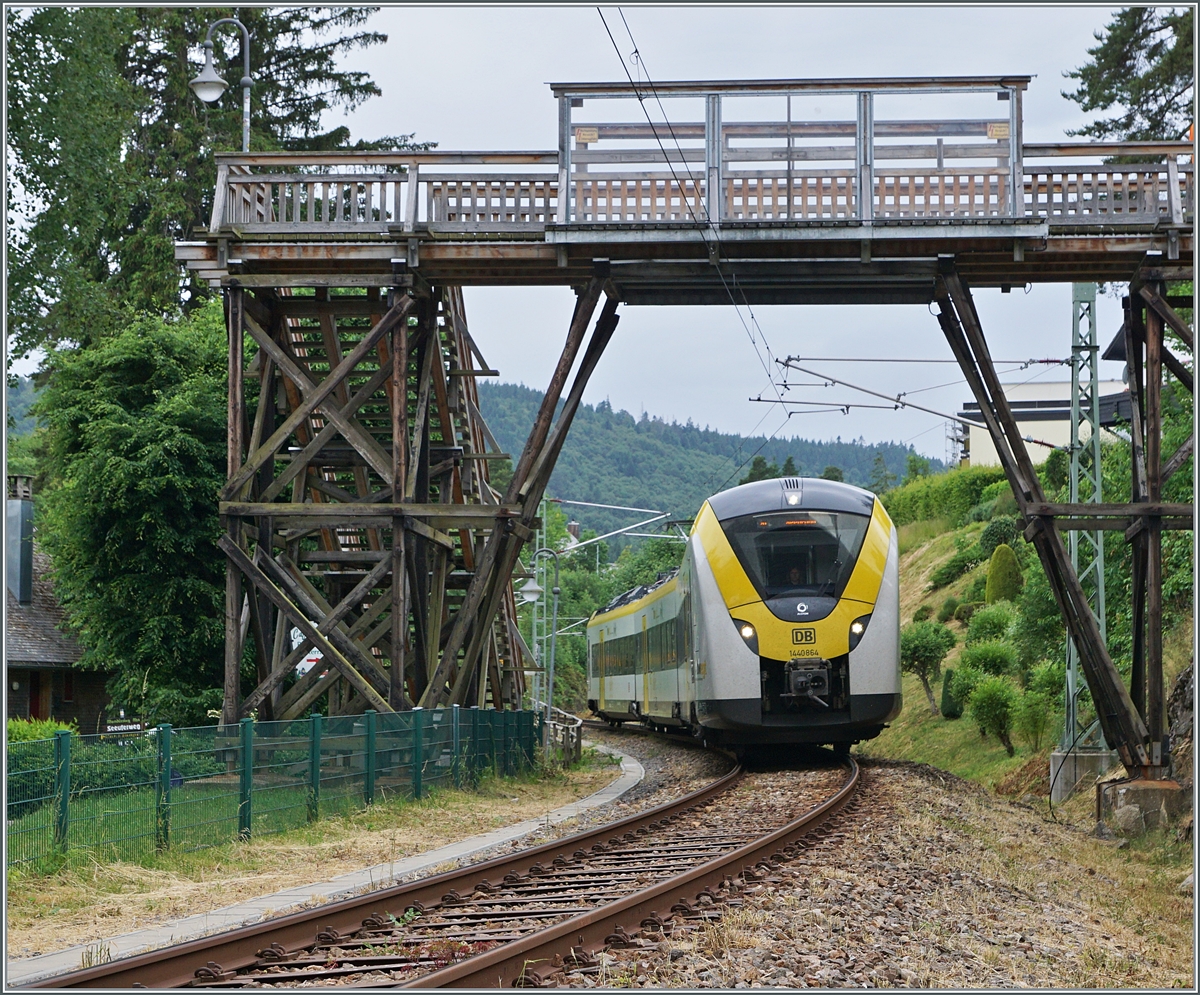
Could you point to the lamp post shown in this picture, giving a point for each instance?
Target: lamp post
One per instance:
(208, 86)
(530, 593)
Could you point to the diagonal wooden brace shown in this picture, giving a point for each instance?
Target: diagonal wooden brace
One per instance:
(315, 399)
(331, 653)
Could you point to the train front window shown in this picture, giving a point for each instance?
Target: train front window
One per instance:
(801, 554)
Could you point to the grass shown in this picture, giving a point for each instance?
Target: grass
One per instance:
(84, 897)
(916, 534)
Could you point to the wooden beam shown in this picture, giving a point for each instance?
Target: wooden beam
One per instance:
(1178, 458)
(1168, 314)
(1108, 509)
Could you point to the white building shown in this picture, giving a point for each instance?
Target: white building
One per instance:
(1043, 413)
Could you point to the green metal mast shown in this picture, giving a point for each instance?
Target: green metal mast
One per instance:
(1087, 548)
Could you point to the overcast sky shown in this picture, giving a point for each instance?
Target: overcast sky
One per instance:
(475, 78)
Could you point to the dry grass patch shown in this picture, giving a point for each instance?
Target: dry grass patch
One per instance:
(88, 899)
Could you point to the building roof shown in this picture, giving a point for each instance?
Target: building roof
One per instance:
(33, 633)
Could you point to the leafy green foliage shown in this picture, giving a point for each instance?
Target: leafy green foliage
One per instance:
(760, 469)
(1004, 578)
(951, 706)
(112, 154)
(1144, 66)
(135, 459)
(882, 478)
(28, 730)
(1033, 718)
(945, 495)
(832, 473)
(999, 531)
(992, 704)
(991, 623)
(963, 683)
(915, 467)
(965, 611)
(953, 568)
(923, 647)
(991, 657)
(947, 610)
(923, 613)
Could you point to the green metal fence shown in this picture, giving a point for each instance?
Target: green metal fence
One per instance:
(129, 794)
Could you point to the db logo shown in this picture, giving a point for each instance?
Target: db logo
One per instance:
(802, 637)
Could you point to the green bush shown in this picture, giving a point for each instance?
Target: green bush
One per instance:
(993, 704)
(998, 531)
(951, 494)
(923, 647)
(991, 657)
(964, 612)
(1049, 678)
(951, 706)
(955, 567)
(946, 612)
(922, 614)
(991, 622)
(26, 730)
(963, 683)
(993, 491)
(1033, 718)
(982, 512)
(1041, 634)
(977, 590)
(1004, 578)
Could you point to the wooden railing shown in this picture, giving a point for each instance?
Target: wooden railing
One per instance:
(370, 193)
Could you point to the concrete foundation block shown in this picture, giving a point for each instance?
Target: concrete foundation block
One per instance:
(1079, 768)
(1137, 806)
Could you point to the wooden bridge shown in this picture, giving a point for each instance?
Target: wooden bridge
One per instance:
(371, 460)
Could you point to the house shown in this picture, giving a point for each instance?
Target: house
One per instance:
(39, 655)
(1043, 413)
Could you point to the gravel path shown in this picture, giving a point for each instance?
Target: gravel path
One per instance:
(935, 884)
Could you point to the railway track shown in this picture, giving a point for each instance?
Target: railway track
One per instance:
(523, 919)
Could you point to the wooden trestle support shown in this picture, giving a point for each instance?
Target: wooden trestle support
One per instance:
(1134, 718)
(358, 508)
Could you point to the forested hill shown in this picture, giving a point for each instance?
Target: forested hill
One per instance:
(610, 457)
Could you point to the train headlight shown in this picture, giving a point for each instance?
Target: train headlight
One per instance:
(749, 635)
(857, 629)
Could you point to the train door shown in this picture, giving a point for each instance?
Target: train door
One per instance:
(645, 709)
(600, 667)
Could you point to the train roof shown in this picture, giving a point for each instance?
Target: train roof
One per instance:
(636, 593)
(815, 494)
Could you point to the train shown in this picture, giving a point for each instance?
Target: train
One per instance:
(781, 625)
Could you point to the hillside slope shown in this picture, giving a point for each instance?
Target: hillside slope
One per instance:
(610, 457)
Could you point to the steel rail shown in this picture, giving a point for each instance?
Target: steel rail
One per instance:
(175, 966)
(517, 963)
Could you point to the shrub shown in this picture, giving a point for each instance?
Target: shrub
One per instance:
(1004, 578)
(977, 590)
(951, 494)
(963, 683)
(982, 512)
(946, 612)
(993, 491)
(993, 703)
(991, 622)
(996, 532)
(27, 730)
(991, 657)
(955, 567)
(951, 706)
(923, 647)
(923, 613)
(1049, 678)
(964, 612)
(1033, 718)
(1041, 633)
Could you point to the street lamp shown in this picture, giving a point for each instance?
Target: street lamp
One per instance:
(529, 594)
(208, 86)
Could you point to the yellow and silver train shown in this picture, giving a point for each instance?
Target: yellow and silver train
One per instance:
(781, 626)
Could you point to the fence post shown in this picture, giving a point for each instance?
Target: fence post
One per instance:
(474, 743)
(418, 749)
(457, 734)
(62, 789)
(162, 796)
(314, 768)
(369, 764)
(246, 728)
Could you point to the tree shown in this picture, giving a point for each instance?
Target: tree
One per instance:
(789, 468)
(881, 477)
(915, 467)
(993, 703)
(832, 473)
(135, 437)
(112, 155)
(760, 469)
(1004, 578)
(1144, 65)
(923, 647)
